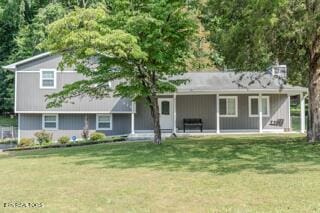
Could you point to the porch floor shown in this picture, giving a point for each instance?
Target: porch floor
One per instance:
(149, 134)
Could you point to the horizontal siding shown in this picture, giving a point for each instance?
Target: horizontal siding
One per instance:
(72, 125)
(31, 98)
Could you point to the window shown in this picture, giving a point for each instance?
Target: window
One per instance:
(254, 106)
(228, 106)
(165, 108)
(47, 79)
(104, 122)
(50, 121)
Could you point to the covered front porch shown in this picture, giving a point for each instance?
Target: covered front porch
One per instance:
(220, 113)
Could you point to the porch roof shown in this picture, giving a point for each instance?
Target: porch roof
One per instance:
(223, 82)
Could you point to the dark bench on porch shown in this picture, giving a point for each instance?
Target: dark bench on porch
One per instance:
(192, 122)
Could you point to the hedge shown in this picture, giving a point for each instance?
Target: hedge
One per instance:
(108, 140)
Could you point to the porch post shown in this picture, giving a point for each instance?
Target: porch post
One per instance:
(260, 112)
(289, 112)
(132, 123)
(174, 113)
(302, 113)
(132, 116)
(218, 115)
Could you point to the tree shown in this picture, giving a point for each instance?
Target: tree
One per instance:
(29, 36)
(251, 35)
(22, 26)
(140, 43)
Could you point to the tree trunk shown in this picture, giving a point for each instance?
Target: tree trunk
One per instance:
(314, 103)
(154, 108)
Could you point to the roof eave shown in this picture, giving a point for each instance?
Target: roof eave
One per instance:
(13, 67)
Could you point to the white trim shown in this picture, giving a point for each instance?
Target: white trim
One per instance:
(58, 71)
(240, 91)
(133, 107)
(15, 91)
(57, 121)
(54, 80)
(14, 65)
(97, 121)
(257, 115)
(260, 113)
(174, 113)
(132, 123)
(302, 113)
(289, 112)
(19, 134)
(74, 112)
(218, 114)
(236, 106)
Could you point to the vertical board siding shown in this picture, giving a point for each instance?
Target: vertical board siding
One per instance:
(197, 106)
(72, 125)
(143, 119)
(279, 109)
(204, 107)
(243, 121)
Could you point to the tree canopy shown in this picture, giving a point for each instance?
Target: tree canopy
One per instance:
(250, 35)
(139, 43)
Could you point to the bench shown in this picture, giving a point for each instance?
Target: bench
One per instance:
(278, 122)
(192, 122)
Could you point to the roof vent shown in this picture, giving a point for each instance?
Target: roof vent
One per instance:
(278, 70)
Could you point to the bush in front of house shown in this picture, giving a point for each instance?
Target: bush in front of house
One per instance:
(9, 141)
(43, 137)
(64, 140)
(25, 142)
(97, 136)
(85, 134)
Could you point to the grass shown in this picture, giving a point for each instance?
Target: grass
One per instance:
(7, 121)
(216, 174)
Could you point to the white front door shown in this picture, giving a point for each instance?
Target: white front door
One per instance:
(166, 113)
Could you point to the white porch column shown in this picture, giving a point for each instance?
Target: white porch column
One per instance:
(302, 113)
(289, 112)
(260, 112)
(132, 123)
(132, 116)
(218, 115)
(174, 113)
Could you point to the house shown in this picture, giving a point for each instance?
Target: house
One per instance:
(224, 101)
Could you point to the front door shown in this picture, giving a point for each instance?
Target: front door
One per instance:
(166, 113)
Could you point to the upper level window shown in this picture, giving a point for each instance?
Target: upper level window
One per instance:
(104, 122)
(228, 106)
(254, 106)
(50, 121)
(47, 79)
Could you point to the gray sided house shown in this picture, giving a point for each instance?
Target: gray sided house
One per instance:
(224, 101)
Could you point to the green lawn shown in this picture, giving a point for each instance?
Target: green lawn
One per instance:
(217, 174)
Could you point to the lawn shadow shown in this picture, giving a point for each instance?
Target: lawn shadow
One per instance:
(220, 155)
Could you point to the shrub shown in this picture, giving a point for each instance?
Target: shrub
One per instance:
(63, 140)
(43, 137)
(85, 134)
(24, 142)
(10, 141)
(97, 136)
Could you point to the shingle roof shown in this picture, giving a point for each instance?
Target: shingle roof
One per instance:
(231, 81)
